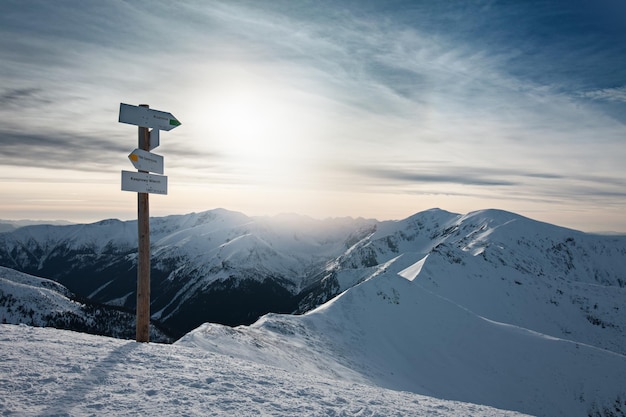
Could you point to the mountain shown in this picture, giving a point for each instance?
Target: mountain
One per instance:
(9, 225)
(502, 266)
(218, 266)
(224, 267)
(489, 307)
(41, 302)
(49, 372)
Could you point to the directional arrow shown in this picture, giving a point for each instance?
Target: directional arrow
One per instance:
(146, 161)
(146, 117)
(142, 182)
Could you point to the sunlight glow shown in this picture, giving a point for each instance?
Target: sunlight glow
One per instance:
(248, 127)
(263, 132)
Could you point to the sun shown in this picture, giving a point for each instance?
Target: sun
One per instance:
(261, 128)
(258, 131)
(249, 126)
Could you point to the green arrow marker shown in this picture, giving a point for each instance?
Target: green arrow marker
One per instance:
(145, 117)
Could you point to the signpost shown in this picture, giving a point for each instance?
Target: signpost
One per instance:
(144, 184)
(146, 161)
(146, 117)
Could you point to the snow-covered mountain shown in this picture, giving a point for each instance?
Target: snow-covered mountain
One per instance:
(218, 266)
(222, 266)
(490, 308)
(41, 302)
(49, 372)
(9, 225)
(504, 267)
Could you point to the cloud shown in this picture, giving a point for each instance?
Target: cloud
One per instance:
(22, 97)
(491, 182)
(58, 151)
(486, 98)
(456, 175)
(617, 94)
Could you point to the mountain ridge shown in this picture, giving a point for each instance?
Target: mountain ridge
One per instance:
(292, 263)
(391, 331)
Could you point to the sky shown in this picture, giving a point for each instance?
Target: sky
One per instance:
(376, 109)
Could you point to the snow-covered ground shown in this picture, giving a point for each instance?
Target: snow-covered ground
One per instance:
(49, 372)
(390, 331)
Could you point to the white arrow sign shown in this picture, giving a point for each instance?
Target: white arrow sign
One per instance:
(142, 182)
(146, 117)
(146, 161)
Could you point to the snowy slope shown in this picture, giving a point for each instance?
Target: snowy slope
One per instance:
(392, 332)
(52, 372)
(28, 299)
(288, 250)
(41, 302)
(507, 268)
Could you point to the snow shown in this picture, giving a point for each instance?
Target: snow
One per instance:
(413, 271)
(32, 298)
(49, 372)
(395, 333)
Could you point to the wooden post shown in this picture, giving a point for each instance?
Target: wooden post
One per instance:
(143, 255)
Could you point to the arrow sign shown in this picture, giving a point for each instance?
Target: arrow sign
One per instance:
(142, 182)
(146, 117)
(146, 161)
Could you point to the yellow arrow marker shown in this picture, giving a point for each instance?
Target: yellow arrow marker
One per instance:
(146, 161)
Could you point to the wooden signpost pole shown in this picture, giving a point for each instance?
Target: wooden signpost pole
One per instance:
(143, 256)
(143, 183)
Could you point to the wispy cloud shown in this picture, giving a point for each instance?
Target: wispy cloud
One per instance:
(617, 94)
(58, 152)
(22, 97)
(482, 99)
(455, 175)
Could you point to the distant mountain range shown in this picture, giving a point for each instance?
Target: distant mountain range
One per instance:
(217, 266)
(488, 307)
(9, 225)
(224, 267)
